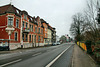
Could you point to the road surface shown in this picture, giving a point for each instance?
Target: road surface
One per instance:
(53, 56)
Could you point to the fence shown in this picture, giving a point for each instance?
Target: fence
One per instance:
(82, 45)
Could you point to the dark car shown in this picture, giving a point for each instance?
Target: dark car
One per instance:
(4, 46)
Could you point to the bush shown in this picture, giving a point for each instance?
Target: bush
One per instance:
(98, 42)
(88, 46)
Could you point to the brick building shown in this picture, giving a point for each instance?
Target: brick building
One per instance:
(28, 31)
(45, 31)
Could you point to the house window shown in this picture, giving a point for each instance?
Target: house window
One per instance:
(26, 37)
(26, 25)
(42, 38)
(30, 37)
(39, 30)
(32, 27)
(25, 16)
(39, 38)
(10, 21)
(23, 37)
(15, 36)
(45, 41)
(17, 23)
(35, 29)
(23, 24)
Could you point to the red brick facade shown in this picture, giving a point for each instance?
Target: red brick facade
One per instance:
(28, 30)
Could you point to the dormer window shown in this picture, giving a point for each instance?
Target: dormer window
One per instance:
(31, 19)
(10, 21)
(17, 11)
(25, 16)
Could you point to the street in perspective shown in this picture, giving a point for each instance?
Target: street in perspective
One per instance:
(41, 33)
(39, 57)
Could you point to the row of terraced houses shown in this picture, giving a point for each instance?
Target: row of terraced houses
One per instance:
(28, 31)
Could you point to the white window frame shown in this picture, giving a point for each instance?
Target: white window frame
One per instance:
(13, 19)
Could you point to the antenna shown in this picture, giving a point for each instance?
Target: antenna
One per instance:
(11, 2)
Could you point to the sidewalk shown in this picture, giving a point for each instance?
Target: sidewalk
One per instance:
(81, 59)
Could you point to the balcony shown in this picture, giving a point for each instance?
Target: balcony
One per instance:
(26, 30)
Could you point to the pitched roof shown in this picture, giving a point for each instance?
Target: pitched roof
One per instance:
(43, 21)
(10, 8)
(3, 9)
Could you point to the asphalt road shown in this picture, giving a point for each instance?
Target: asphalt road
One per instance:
(54, 56)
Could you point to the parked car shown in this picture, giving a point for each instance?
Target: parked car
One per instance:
(54, 44)
(58, 43)
(4, 46)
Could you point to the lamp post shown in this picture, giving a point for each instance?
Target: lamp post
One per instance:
(9, 31)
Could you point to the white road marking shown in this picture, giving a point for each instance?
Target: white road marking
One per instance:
(36, 54)
(20, 52)
(57, 57)
(10, 63)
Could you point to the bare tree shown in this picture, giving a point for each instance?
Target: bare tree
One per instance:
(77, 26)
(91, 25)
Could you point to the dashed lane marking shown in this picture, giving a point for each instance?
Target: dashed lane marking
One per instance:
(36, 54)
(10, 63)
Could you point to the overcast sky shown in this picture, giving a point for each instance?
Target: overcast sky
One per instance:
(58, 13)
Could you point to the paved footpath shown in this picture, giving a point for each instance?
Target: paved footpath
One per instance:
(81, 59)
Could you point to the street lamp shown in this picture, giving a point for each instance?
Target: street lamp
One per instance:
(9, 31)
